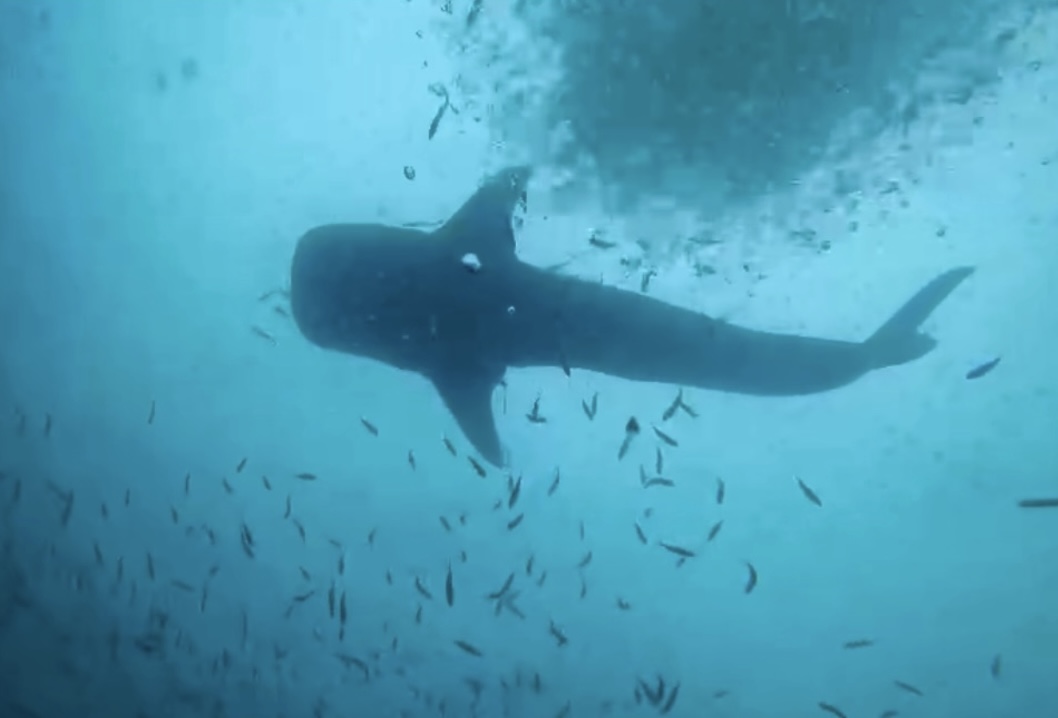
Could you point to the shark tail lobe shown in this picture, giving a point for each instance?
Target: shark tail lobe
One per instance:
(900, 340)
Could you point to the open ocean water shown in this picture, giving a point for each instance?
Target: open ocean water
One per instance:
(202, 513)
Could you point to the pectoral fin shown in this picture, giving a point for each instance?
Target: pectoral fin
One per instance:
(467, 392)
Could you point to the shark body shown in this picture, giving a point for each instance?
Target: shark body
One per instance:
(458, 307)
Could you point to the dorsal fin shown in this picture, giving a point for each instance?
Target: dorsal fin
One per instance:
(483, 224)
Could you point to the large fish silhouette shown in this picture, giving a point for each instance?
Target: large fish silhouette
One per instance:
(458, 307)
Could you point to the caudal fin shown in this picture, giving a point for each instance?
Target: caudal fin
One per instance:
(899, 340)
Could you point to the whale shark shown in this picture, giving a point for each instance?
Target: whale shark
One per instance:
(458, 307)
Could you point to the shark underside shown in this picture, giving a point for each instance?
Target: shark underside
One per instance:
(458, 307)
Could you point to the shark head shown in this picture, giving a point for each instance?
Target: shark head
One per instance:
(418, 301)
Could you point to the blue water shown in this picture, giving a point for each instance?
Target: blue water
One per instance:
(159, 554)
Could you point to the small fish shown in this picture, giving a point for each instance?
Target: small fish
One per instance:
(371, 428)
(468, 648)
(658, 481)
(908, 688)
(331, 596)
(715, 530)
(585, 560)
(516, 491)
(449, 587)
(174, 514)
(268, 294)
(1048, 503)
(721, 490)
(444, 522)
(423, 591)
(513, 523)
(659, 461)
(286, 513)
(150, 566)
(644, 283)
(554, 484)
(631, 432)
(678, 550)
(997, 666)
(449, 445)
(227, 486)
(809, 494)
(266, 482)
(671, 701)
(623, 605)
(472, 16)
(640, 534)
(182, 585)
(187, 484)
(653, 695)
(534, 416)
(665, 437)
(240, 466)
(478, 468)
(411, 459)
(671, 409)
(858, 643)
(833, 710)
(305, 476)
(499, 593)
(982, 369)
(263, 334)
(751, 581)
(558, 634)
(436, 121)
(300, 527)
(348, 661)
(591, 409)
(150, 414)
(47, 425)
(598, 242)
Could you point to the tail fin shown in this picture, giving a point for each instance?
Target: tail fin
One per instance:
(899, 340)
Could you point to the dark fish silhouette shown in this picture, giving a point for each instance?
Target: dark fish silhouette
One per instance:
(458, 307)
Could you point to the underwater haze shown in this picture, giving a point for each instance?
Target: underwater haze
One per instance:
(204, 514)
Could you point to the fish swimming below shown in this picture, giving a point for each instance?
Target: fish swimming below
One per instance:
(459, 308)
